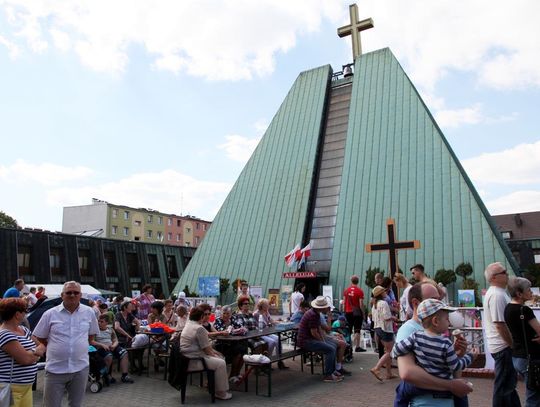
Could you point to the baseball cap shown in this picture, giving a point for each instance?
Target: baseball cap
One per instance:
(431, 306)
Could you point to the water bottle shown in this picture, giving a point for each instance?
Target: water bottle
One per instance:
(261, 323)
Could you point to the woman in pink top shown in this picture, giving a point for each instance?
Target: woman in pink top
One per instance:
(145, 301)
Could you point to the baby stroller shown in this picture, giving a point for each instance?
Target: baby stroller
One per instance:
(97, 370)
(341, 326)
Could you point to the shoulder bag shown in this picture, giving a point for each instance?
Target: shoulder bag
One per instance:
(533, 366)
(6, 399)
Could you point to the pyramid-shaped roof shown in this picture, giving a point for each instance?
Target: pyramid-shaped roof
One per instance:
(397, 164)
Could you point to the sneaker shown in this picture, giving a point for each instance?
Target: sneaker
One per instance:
(223, 395)
(344, 372)
(359, 349)
(332, 379)
(235, 379)
(127, 379)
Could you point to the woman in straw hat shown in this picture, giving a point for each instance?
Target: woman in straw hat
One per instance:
(383, 322)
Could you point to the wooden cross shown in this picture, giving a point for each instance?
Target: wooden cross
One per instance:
(392, 246)
(354, 28)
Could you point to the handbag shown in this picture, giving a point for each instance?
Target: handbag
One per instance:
(533, 366)
(6, 399)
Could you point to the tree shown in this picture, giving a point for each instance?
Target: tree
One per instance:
(370, 276)
(189, 293)
(445, 276)
(464, 270)
(223, 285)
(7, 221)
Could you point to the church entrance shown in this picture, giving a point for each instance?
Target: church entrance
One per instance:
(313, 286)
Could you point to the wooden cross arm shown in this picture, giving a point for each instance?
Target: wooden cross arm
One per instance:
(362, 25)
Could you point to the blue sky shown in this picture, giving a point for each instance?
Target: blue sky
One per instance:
(159, 104)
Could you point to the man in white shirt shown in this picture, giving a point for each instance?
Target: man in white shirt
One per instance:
(66, 331)
(499, 339)
(296, 298)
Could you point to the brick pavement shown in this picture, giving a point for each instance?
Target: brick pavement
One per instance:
(290, 388)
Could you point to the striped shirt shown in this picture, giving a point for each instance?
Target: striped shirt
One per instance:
(21, 374)
(435, 354)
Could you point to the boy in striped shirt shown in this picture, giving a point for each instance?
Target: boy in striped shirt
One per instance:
(433, 352)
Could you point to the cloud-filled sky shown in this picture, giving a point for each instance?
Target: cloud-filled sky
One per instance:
(160, 104)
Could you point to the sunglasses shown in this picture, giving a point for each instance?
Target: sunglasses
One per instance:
(72, 292)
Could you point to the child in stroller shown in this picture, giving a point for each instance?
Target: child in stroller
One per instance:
(340, 326)
(98, 370)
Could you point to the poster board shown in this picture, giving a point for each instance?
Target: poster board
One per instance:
(194, 301)
(274, 300)
(256, 292)
(209, 286)
(328, 294)
(286, 291)
(466, 298)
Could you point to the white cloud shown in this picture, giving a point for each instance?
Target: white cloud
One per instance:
(45, 174)
(519, 165)
(239, 148)
(216, 40)
(61, 39)
(166, 191)
(13, 49)
(515, 202)
(496, 41)
(455, 118)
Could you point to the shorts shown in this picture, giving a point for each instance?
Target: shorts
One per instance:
(117, 353)
(384, 336)
(354, 321)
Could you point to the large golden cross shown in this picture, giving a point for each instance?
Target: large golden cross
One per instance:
(354, 28)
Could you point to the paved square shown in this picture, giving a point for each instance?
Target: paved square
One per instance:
(289, 388)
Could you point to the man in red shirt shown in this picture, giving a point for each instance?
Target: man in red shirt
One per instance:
(353, 304)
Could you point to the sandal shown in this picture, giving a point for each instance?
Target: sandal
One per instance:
(391, 376)
(377, 374)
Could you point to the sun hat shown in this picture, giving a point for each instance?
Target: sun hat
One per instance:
(181, 294)
(378, 290)
(320, 303)
(431, 306)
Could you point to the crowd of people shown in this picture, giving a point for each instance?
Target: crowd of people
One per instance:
(411, 331)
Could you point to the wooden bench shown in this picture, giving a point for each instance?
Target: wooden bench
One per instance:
(265, 370)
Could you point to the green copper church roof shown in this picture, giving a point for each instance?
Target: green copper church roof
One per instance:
(399, 165)
(263, 217)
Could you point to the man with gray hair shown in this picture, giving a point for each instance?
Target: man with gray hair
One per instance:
(66, 330)
(499, 339)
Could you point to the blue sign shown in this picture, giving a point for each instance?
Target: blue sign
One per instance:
(209, 286)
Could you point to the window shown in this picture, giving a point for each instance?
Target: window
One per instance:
(506, 235)
(132, 265)
(150, 217)
(114, 230)
(55, 258)
(169, 236)
(110, 263)
(126, 215)
(169, 221)
(178, 222)
(153, 265)
(84, 259)
(159, 236)
(196, 240)
(160, 220)
(172, 270)
(204, 227)
(126, 231)
(537, 258)
(115, 213)
(188, 230)
(178, 238)
(197, 226)
(24, 259)
(149, 233)
(188, 244)
(137, 223)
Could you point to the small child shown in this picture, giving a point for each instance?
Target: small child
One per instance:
(433, 352)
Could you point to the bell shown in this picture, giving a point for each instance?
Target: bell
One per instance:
(347, 72)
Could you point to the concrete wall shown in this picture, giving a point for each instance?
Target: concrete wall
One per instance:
(77, 219)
